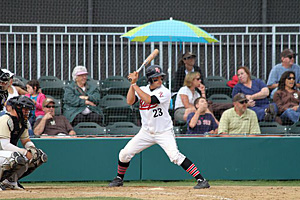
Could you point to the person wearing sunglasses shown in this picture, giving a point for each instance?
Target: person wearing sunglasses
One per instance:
(288, 57)
(287, 98)
(239, 119)
(256, 93)
(185, 65)
(51, 124)
(186, 96)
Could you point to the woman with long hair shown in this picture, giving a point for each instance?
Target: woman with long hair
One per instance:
(287, 98)
(187, 94)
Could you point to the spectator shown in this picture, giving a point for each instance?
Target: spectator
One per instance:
(51, 124)
(4, 84)
(256, 93)
(33, 89)
(186, 96)
(287, 98)
(287, 64)
(239, 119)
(13, 91)
(81, 99)
(201, 122)
(185, 65)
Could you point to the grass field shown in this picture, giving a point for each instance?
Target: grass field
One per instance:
(132, 190)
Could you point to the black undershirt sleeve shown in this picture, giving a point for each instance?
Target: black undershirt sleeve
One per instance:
(154, 100)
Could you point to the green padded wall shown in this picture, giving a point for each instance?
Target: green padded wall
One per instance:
(245, 158)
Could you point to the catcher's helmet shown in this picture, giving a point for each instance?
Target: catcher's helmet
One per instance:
(154, 71)
(21, 102)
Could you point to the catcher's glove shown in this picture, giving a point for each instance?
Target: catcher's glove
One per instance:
(37, 155)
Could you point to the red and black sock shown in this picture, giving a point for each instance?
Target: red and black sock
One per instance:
(122, 167)
(190, 167)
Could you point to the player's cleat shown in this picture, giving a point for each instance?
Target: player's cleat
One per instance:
(2, 187)
(117, 182)
(201, 184)
(11, 185)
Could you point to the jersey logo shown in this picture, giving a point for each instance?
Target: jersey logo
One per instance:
(161, 94)
(145, 106)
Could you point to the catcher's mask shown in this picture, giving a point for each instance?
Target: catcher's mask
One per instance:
(20, 102)
(154, 71)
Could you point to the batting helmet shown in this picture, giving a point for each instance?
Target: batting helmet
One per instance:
(154, 71)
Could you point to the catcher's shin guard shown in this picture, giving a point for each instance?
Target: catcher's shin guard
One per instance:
(16, 164)
(38, 158)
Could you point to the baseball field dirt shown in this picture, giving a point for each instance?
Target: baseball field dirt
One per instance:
(158, 193)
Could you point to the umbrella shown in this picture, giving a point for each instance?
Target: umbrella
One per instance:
(169, 31)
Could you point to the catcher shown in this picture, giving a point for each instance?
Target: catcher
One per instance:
(15, 162)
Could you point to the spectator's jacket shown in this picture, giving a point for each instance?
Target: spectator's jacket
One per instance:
(180, 75)
(73, 105)
(285, 99)
(39, 104)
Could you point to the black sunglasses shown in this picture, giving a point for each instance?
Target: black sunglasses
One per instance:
(290, 78)
(244, 101)
(50, 106)
(290, 56)
(188, 57)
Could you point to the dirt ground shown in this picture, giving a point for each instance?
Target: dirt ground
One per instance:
(159, 193)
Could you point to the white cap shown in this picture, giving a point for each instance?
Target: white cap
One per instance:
(9, 72)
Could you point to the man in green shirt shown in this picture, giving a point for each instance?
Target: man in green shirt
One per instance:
(239, 119)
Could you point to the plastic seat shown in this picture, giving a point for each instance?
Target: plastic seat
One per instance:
(89, 128)
(215, 80)
(53, 86)
(24, 80)
(220, 98)
(58, 105)
(123, 128)
(114, 85)
(295, 128)
(142, 81)
(272, 128)
(116, 109)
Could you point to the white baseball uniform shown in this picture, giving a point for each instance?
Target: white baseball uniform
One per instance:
(157, 128)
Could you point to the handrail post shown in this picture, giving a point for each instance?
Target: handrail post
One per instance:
(38, 51)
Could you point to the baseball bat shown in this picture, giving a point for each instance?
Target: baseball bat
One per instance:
(148, 59)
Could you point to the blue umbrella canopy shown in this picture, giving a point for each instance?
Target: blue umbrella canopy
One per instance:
(169, 31)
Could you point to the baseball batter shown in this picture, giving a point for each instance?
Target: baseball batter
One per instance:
(157, 127)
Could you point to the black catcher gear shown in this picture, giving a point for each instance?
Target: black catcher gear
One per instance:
(20, 102)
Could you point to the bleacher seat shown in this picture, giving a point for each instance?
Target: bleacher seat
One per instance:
(51, 85)
(114, 85)
(123, 128)
(89, 128)
(115, 108)
(272, 128)
(220, 98)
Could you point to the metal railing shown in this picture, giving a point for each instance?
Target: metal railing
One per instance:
(33, 50)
